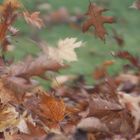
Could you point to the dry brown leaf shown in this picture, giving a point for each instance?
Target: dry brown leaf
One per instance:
(34, 67)
(47, 108)
(97, 20)
(99, 107)
(33, 19)
(54, 109)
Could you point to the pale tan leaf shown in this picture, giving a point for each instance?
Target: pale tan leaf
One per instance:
(92, 124)
(22, 126)
(136, 5)
(132, 103)
(65, 50)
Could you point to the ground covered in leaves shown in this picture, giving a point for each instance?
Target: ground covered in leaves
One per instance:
(71, 110)
(109, 109)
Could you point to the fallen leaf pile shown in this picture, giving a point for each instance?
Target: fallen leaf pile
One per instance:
(106, 111)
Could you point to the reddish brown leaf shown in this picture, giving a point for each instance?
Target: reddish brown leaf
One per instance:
(54, 109)
(47, 108)
(97, 20)
(128, 56)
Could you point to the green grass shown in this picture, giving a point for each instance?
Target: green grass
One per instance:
(95, 51)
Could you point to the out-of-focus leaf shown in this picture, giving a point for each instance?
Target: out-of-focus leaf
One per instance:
(101, 71)
(33, 19)
(136, 5)
(118, 38)
(128, 56)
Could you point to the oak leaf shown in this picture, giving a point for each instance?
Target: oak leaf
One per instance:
(97, 20)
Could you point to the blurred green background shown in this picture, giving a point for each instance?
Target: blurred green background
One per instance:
(94, 51)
